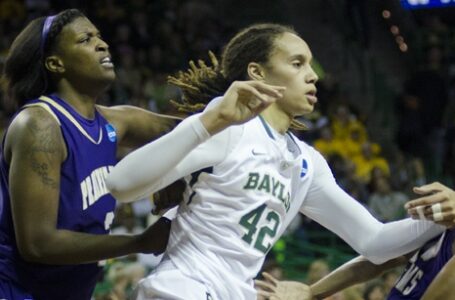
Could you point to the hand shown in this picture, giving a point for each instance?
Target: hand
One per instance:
(273, 289)
(242, 101)
(169, 197)
(434, 194)
(154, 239)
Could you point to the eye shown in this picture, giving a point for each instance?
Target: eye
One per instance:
(84, 40)
(297, 64)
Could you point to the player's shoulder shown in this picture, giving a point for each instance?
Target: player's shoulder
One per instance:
(34, 118)
(34, 123)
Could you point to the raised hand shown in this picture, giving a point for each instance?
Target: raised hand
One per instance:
(437, 203)
(273, 289)
(242, 101)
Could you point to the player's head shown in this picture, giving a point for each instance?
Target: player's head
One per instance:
(271, 53)
(65, 48)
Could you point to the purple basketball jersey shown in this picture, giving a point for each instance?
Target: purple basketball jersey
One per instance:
(423, 267)
(84, 205)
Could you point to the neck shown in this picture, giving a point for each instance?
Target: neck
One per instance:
(81, 101)
(277, 118)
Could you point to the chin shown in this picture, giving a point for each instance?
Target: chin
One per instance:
(109, 78)
(111, 75)
(308, 109)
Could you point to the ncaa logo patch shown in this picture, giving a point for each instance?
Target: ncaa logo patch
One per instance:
(111, 134)
(304, 169)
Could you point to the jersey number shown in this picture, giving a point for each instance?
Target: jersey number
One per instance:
(409, 280)
(250, 222)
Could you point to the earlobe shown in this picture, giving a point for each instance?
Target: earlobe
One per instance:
(255, 71)
(54, 64)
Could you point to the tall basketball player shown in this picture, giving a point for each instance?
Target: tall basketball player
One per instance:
(246, 183)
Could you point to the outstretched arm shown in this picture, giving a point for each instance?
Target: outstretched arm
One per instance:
(161, 162)
(354, 271)
(329, 205)
(136, 126)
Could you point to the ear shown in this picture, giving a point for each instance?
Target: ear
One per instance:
(54, 64)
(256, 71)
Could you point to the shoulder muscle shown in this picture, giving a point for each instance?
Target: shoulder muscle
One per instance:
(35, 136)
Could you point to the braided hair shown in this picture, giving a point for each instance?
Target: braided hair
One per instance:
(24, 76)
(201, 83)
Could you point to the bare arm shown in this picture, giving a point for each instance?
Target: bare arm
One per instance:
(35, 152)
(136, 126)
(354, 271)
(444, 284)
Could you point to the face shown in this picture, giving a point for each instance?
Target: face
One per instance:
(83, 53)
(289, 65)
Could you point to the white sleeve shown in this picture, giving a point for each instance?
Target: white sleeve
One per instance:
(184, 150)
(329, 205)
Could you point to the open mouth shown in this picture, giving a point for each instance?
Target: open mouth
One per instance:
(107, 62)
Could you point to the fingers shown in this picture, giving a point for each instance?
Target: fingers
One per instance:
(267, 295)
(438, 196)
(260, 96)
(270, 278)
(271, 90)
(429, 188)
(264, 95)
(264, 293)
(264, 286)
(440, 212)
(436, 212)
(426, 201)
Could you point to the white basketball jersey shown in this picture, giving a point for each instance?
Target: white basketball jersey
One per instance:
(235, 211)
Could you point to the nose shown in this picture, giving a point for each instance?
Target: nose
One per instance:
(312, 76)
(102, 45)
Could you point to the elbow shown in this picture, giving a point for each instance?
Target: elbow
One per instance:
(31, 252)
(371, 253)
(115, 190)
(376, 259)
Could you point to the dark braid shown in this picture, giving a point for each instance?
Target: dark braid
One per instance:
(199, 85)
(24, 75)
(202, 83)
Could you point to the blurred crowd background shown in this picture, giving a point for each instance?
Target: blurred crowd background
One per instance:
(385, 120)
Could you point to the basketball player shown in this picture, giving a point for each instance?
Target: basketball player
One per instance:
(55, 210)
(431, 264)
(247, 182)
